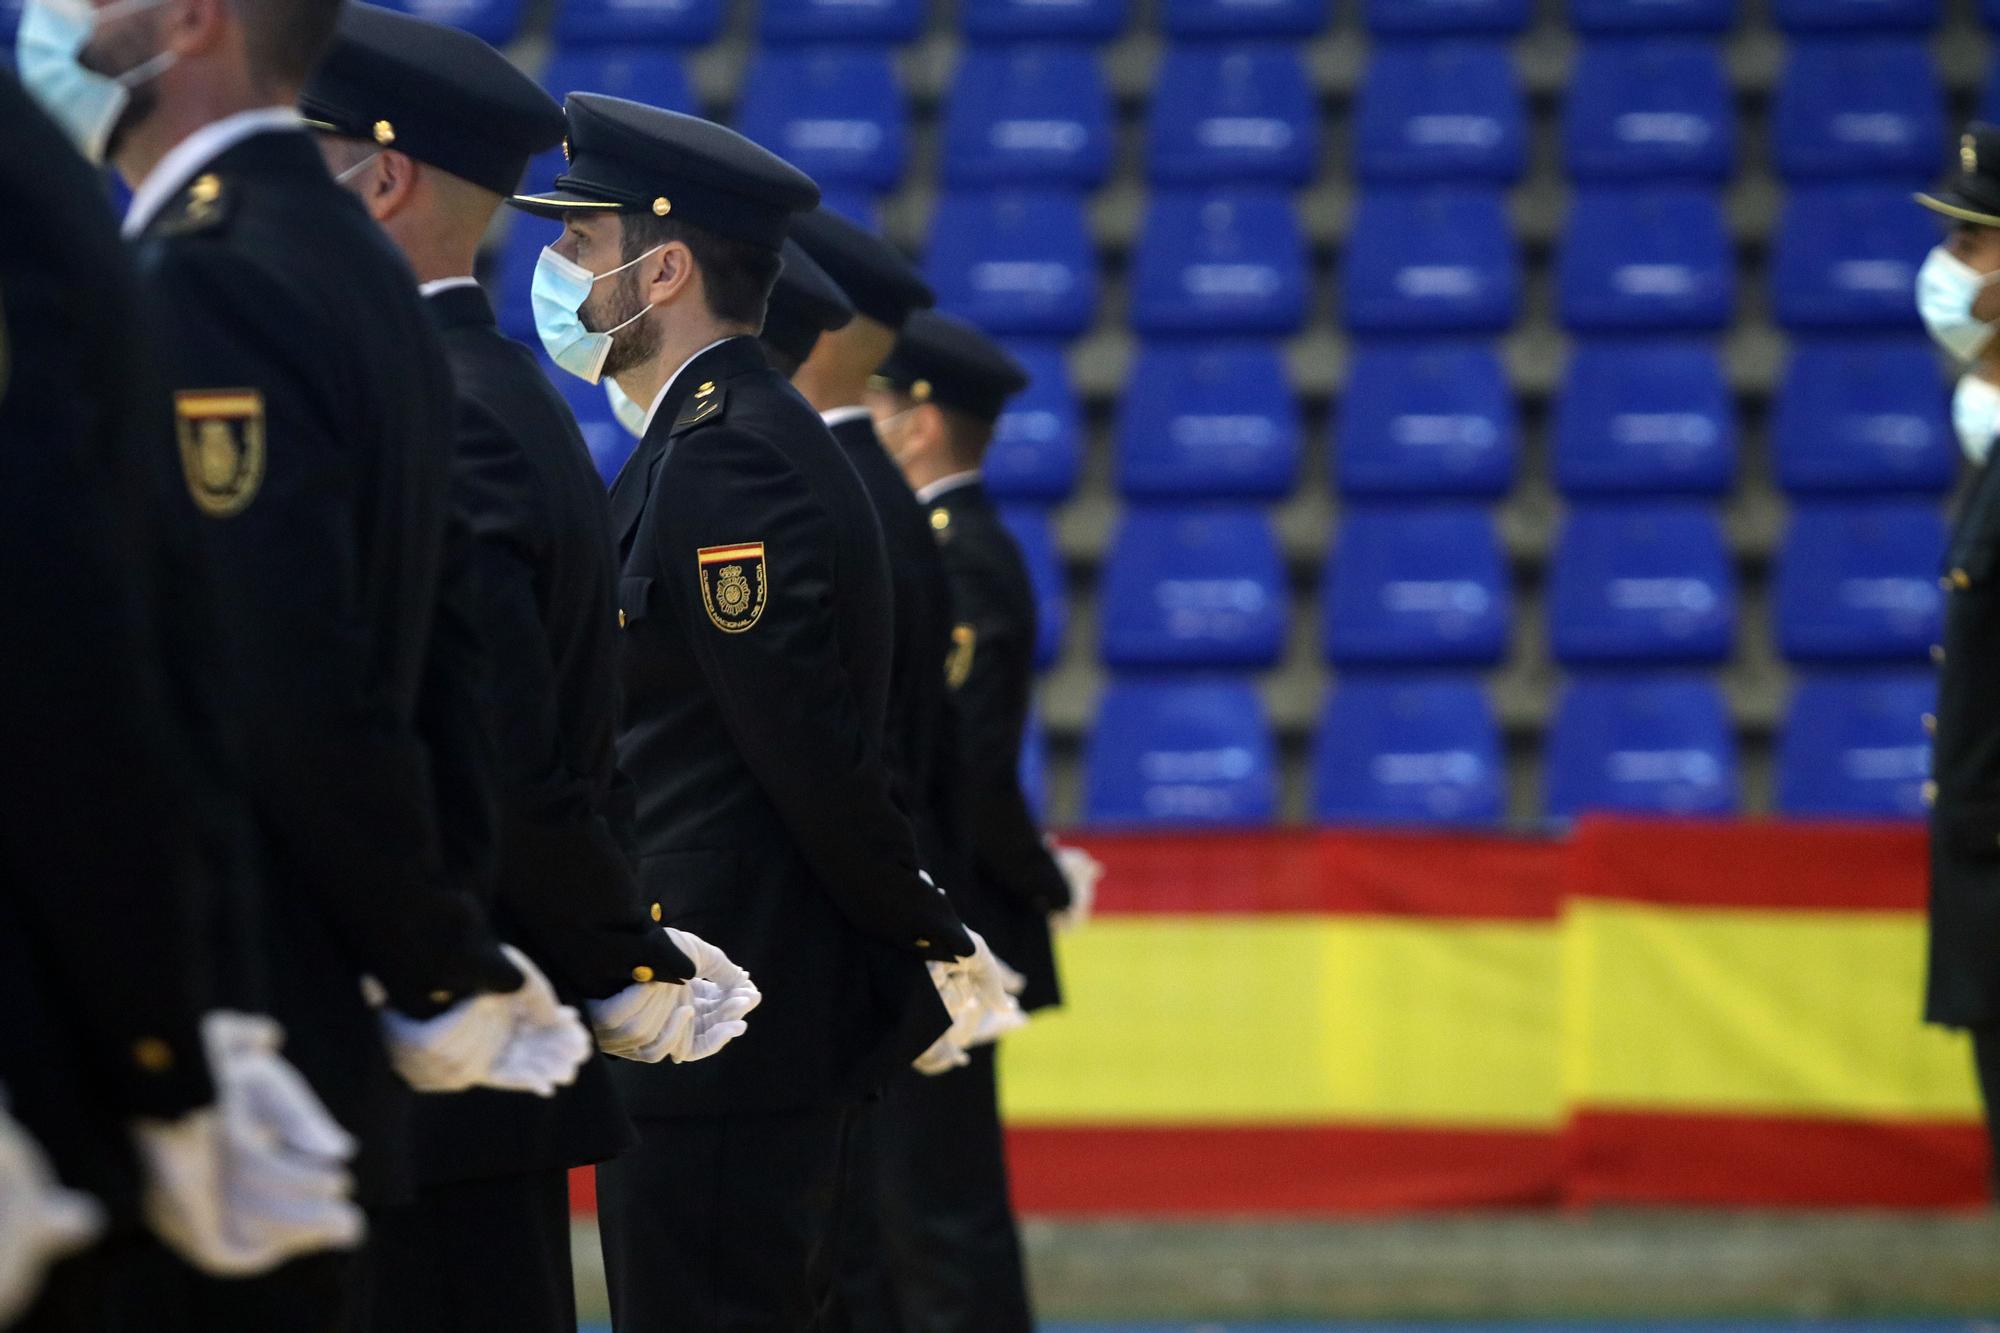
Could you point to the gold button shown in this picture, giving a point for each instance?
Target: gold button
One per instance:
(661, 207)
(440, 997)
(923, 944)
(642, 973)
(621, 617)
(921, 391)
(656, 912)
(1937, 654)
(1930, 724)
(1960, 579)
(153, 1055)
(940, 519)
(1930, 794)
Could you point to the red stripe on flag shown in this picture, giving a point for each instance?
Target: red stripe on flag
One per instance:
(1809, 866)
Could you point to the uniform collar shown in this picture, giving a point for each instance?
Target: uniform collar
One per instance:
(457, 302)
(840, 416)
(436, 285)
(186, 159)
(944, 486)
(667, 389)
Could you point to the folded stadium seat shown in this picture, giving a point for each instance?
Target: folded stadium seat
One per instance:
(1028, 115)
(834, 112)
(610, 443)
(1036, 536)
(1444, 111)
(654, 74)
(1651, 109)
(1216, 263)
(1635, 583)
(1854, 746)
(1645, 418)
(683, 23)
(1016, 262)
(1043, 20)
(1855, 15)
(1208, 421)
(1863, 414)
(1428, 418)
(1641, 744)
(513, 273)
(1193, 586)
(1846, 256)
(1436, 260)
(1855, 106)
(495, 21)
(1037, 447)
(1431, 17)
(1210, 19)
(1646, 260)
(1649, 16)
(1416, 585)
(1237, 114)
(1408, 750)
(1180, 754)
(1034, 768)
(1858, 581)
(882, 21)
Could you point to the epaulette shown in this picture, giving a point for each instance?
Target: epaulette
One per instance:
(705, 406)
(202, 206)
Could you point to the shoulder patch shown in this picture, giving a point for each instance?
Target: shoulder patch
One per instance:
(735, 584)
(221, 435)
(703, 407)
(202, 206)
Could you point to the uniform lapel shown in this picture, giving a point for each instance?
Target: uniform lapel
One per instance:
(635, 480)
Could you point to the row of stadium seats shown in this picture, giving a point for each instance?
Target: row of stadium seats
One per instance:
(696, 22)
(1426, 750)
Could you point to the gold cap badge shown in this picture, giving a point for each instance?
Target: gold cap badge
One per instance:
(385, 133)
(661, 206)
(1968, 154)
(921, 391)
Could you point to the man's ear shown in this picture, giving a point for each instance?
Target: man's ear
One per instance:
(193, 27)
(668, 273)
(392, 184)
(926, 433)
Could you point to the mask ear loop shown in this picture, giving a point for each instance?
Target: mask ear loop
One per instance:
(355, 170)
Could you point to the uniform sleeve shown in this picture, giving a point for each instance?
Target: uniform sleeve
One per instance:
(566, 883)
(342, 773)
(455, 717)
(783, 689)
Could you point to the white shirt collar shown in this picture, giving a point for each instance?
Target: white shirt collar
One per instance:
(840, 416)
(191, 154)
(944, 486)
(436, 285)
(661, 396)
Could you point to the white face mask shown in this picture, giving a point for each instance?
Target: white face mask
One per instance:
(1975, 415)
(630, 415)
(1947, 287)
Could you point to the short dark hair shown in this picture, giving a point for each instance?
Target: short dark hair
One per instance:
(285, 39)
(737, 276)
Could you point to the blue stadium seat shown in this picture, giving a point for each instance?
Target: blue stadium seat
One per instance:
(1034, 768)
(1037, 447)
(1859, 107)
(683, 23)
(1859, 581)
(1651, 260)
(1430, 261)
(610, 443)
(1014, 262)
(1180, 754)
(1036, 536)
(1208, 19)
(513, 272)
(1433, 17)
(1854, 746)
(1657, 745)
(494, 20)
(1208, 420)
(853, 203)
(1443, 111)
(1649, 110)
(834, 112)
(1854, 15)
(1417, 584)
(841, 20)
(1232, 114)
(1645, 418)
(1641, 583)
(1846, 256)
(1648, 16)
(1217, 263)
(1426, 419)
(1863, 414)
(1043, 20)
(1027, 115)
(1194, 586)
(1408, 750)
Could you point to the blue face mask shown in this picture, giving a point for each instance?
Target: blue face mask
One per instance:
(1947, 288)
(560, 288)
(48, 51)
(630, 415)
(1975, 415)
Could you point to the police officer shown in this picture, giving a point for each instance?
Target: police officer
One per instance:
(755, 605)
(1958, 295)
(955, 1252)
(432, 129)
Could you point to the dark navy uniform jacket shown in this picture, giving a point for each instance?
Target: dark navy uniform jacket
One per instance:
(757, 620)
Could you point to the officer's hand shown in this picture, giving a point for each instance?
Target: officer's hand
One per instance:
(944, 1056)
(996, 985)
(1082, 872)
(547, 1041)
(647, 1021)
(724, 995)
(40, 1220)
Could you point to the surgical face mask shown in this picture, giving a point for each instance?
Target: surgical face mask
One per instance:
(889, 430)
(1947, 287)
(1975, 415)
(356, 169)
(48, 51)
(558, 292)
(630, 415)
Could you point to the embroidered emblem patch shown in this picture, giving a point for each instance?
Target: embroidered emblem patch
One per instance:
(734, 586)
(222, 447)
(958, 666)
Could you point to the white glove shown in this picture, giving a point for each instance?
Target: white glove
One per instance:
(40, 1220)
(258, 1178)
(1083, 871)
(647, 1021)
(723, 995)
(547, 1043)
(943, 1057)
(522, 1041)
(996, 985)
